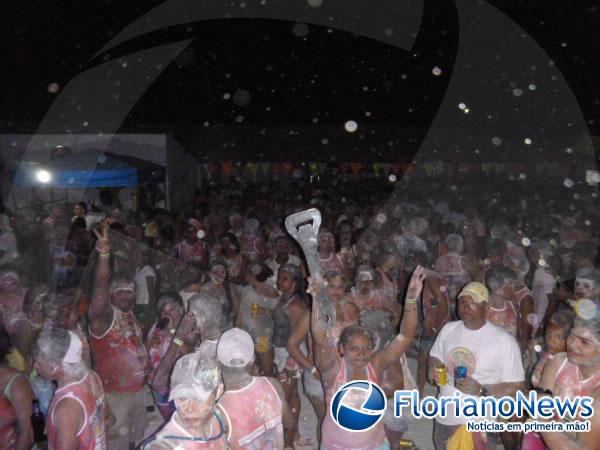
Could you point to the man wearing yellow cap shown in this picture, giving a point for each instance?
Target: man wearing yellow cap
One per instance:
(489, 354)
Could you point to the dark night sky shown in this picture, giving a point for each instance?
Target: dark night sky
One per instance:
(301, 80)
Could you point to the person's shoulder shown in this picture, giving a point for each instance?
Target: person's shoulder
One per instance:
(452, 325)
(499, 334)
(95, 378)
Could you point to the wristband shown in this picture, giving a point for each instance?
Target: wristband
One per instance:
(177, 341)
(104, 254)
(411, 301)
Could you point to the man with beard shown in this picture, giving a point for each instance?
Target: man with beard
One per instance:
(576, 373)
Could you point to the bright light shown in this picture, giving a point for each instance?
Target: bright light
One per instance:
(43, 176)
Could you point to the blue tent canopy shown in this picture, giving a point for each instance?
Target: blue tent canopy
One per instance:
(87, 169)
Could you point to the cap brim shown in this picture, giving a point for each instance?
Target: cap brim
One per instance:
(189, 390)
(475, 297)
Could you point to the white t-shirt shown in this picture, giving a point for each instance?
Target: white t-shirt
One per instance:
(141, 296)
(543, 283)
(490, 354)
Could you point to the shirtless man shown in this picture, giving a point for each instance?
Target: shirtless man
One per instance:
(300, 340)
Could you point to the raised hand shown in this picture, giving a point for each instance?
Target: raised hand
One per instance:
(415, 285)
(186, 327)
(103, 240)
(315, 284)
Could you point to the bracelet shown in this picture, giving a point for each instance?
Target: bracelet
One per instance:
(410, 301)
(104, 254)
(177, 341)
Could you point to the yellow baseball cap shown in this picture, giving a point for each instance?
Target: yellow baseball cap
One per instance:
(477, 291)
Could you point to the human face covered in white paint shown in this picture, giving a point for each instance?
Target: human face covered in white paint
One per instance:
(218, 273)
(585, 288)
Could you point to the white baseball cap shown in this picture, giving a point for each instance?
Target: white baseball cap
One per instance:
(235, 348)
(196, 376)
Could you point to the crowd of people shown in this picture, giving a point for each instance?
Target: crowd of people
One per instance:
(214, 311)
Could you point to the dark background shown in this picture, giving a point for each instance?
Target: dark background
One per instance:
(304, 82)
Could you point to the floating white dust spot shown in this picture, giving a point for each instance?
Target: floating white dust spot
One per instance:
(351, 126)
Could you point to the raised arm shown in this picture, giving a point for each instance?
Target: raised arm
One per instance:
(324, 350)
(408, 327)
(180, 345)
(100, 311)
(22, 398)
(69, 419)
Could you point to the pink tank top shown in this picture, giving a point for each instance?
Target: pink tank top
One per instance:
(254, 416)
(331, 263)
(120, 357)
(192, 252)
(335, 331)
(252, 247)
(451, 268)
(376, 300)
(174, 436)
(157, 344)
(505, 318)
(89, 394)
(522, 293)
(336, 438)
(569, 384)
